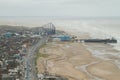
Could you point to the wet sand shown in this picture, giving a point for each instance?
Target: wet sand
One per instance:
(80, 61)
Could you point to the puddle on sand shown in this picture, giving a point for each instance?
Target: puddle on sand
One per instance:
(83, 68)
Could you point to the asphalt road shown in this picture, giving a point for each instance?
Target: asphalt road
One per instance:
(30, 67)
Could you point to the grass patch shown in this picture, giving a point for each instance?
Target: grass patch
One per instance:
(41, 55)
(38, 54)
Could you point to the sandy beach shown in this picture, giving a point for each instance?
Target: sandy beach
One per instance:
(80, 61)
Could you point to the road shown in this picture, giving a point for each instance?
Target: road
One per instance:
(30, 67)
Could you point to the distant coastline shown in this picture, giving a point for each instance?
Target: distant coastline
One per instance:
(63, 17)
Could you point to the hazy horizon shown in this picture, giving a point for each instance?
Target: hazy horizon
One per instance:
(74, 8)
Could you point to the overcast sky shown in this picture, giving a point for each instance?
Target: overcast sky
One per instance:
(79, 8)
